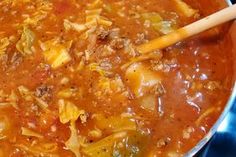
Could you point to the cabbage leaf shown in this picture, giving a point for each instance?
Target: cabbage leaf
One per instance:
(56, 54)
(125, 143)
(25, 44)
(4, 42)
(69, 112)
(158, 23)
(28, 132)
(114, 123)
(185, 9)
(73, 143)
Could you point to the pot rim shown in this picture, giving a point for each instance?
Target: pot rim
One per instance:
(213, 130)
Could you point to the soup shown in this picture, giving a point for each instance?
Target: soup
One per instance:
(72, 83)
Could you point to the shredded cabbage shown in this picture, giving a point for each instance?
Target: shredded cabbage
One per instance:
(95, 4)
(73, 143)
(4, 126)
(42, 104)
(153, 17)
(104, 147)
(4, 42)
(95, 133)
(74, 26)
(25, 93)
(13, 99)
(43, 7)
(148, 102)
(141, 79)
(185, 9)
(56, 54)
(158, 23)
(114, 123)
(40, 149)
(165, 27)
(92, 20)
(97, 68)
(28, 132)
(8, 100)
(24, 45)
(28, 96)
(69, 111)
(207, 113)
(125, 143)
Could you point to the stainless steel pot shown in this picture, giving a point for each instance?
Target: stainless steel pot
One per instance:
(231, 39)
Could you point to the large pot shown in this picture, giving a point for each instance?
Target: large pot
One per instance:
(229, 32)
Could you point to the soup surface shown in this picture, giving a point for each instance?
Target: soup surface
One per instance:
(72, 83)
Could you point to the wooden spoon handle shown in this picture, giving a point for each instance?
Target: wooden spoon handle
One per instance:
(204, 24)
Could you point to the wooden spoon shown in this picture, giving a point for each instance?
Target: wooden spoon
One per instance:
(204, 24)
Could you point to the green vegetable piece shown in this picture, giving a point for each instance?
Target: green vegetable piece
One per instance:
(152, 17)
(107, 8)
(120, 144)
(165, 27)
(158, 23)
(115, 123)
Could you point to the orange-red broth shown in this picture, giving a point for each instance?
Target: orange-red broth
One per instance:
(191, 79)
